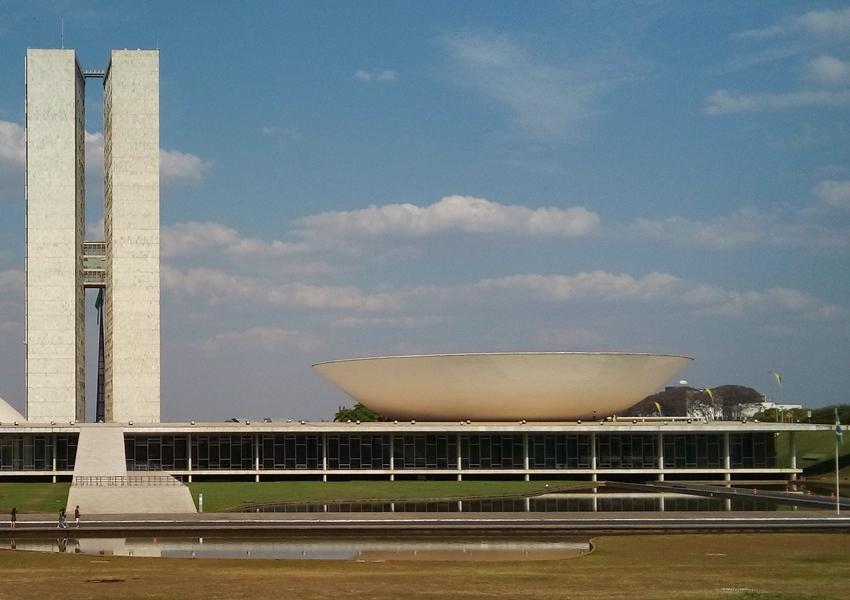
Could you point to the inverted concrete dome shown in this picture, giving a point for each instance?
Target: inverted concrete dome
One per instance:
(535, 386)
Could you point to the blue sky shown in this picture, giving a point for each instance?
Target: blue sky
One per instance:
(348, 179)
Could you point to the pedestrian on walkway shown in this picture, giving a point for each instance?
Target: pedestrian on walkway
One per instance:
(14, 517)
(63, 524)
(77, 515)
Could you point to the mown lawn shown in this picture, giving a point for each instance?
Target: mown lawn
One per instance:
(220, 496)
(662, 567)
(226, 495)
(33, 497)
(816, 450)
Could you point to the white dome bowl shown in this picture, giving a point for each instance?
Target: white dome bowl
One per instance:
(535, 386)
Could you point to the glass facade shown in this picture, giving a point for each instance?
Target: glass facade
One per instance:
(34, 452)
(404, 451)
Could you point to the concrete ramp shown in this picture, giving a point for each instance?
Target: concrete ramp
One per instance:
(100, 451)
(102, 486)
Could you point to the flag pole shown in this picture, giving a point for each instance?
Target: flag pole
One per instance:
(837, 488)
(839, 439)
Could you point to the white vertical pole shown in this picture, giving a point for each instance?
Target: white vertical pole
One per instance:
(837, 487)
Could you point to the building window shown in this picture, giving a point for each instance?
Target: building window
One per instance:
(755, 450)
(493, 451)
(290, 451)
(365, 451)
(629, 451)
(558, 451)
(156, 453)
(700, 451)
(34, 452)
(222, 452)
(430, 451)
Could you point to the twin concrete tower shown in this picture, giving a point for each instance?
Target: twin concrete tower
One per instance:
(61, 264)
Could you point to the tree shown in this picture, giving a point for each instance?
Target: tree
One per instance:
(357, 413)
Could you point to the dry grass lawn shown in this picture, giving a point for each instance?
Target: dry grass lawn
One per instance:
(767, 566)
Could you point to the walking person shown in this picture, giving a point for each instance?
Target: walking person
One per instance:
(14, 517)
(77, 515)
(63, 524)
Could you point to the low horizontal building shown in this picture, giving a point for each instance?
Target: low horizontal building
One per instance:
(640, 449)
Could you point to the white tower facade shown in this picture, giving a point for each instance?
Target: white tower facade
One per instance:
(55, 222)
(57, 268)
(131, 222)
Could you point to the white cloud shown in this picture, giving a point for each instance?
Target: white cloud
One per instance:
(12, 143)
(725, 102)
(829, 70)
(746, 228)
(455, 213)
(346, 231)
(547, 102)
(194, 238)
(177, 168)
(829, 22)
(429, 305)
(815, 23)
(834, 193)
(597, 284)
(662, 289)
(394, 322)
(377, 75)
(219, 287)
(96, 230)
(12, 159)
(260, 340)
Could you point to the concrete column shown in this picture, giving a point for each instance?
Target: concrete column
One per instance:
(661, 456)
(256, 448)
(392, 460)
(54, 458)
(792, 442)
(593, 462)
(525, 456)
(727, 459)
(189, 455)
(325, 456)
(459, 463)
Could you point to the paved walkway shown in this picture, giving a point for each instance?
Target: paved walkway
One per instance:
(445, 524)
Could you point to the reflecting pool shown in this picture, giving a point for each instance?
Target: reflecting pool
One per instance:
(326, 549)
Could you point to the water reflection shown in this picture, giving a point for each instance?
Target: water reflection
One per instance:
(548, 503)
(366, 550)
